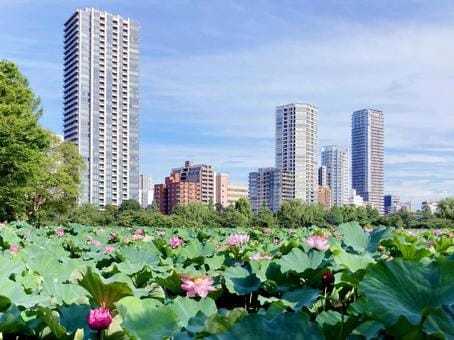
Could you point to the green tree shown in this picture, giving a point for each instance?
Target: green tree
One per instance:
(23, 143)
(290, 214)
(232, 218)
(335, 216)
(446, 208)
(59, 185)
(196, 214)
(264, 218)
(243, 207)
(129, 205)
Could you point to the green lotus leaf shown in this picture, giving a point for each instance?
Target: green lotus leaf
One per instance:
(223, 320)
(291, 326)
(186, 308)
(240, 281)
(353, 262)
(299, 261)
(441, 322)
(102, 293)
(368, 330)
(143, 320)
(407, 288)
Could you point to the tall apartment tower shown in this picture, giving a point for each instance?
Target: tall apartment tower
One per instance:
(296, 148)
(101, 103)
(270, 187)
(335, 159)
(368, 156)
(146, 190)
(199, 173)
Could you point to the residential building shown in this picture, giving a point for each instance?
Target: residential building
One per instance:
(235, 192)
(199, 173)
(324, 196)
(368, 156)
(101, 103)
(431, 205)
(175, 192)
(323, 176)
(406, 206)
(335, 159)
(355, 199)
(145, 191)
(221, 186)
(297, 148)
(270, 187)
(391, 204)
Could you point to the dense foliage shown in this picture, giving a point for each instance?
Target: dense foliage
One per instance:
(37, 170)
(80, 282)
(293, 214)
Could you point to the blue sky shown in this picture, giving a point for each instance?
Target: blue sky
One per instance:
(212, 73)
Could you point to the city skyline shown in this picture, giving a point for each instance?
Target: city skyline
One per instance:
(220, 86)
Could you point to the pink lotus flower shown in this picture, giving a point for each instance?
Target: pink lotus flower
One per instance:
(109, 249)
(258, 256)
(237, 239)
(99, 318)
(60, 232)
(267, 231)
(139, 234)
(200, 286)
(317, 242)
(14, 249)
(438, 232)
(95, 242)
(175, 242)
(2, 225)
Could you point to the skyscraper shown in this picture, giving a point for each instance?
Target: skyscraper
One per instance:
(368, 156)
(101, 103)
(296, 148)
(335, 159)
(270, 187)
(145, 191)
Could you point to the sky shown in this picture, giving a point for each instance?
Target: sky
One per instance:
(212, 73)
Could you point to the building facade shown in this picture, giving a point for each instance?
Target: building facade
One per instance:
(323, 176)
(432, 206)
(324, 197)
(235, 192)
(221, 187)
(391, 204)
(368, 156)
(175, 192)
(270, 187)
(297, 148)
(101, 103)
(335, 159)
(199, 173)
(145, 191)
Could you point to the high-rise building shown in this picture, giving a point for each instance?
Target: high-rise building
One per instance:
(355, 199)
(221, 186)
(175, 192)
(101, 103)
(296, 148)
(145, 191)
(432, 206)
(270, 187)
(368, 156)
(335, 159)
(199, 173)
(235, 192)
(391, 204)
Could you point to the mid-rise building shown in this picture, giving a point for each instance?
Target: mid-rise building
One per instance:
(235, 192)
(297, 148)
(199, 173)
(335, 159)
(355, 199)
(145, 191)
(221, 186)
(270, 187)
(368, 156)
(406, 206)
(391, 204)
(324, 196)
(101, 103)
(175, 192)
(431, 205)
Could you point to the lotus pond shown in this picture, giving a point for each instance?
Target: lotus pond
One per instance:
(81, 282)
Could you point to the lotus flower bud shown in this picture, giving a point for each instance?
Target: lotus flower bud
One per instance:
(328, 281)
(99, 318)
